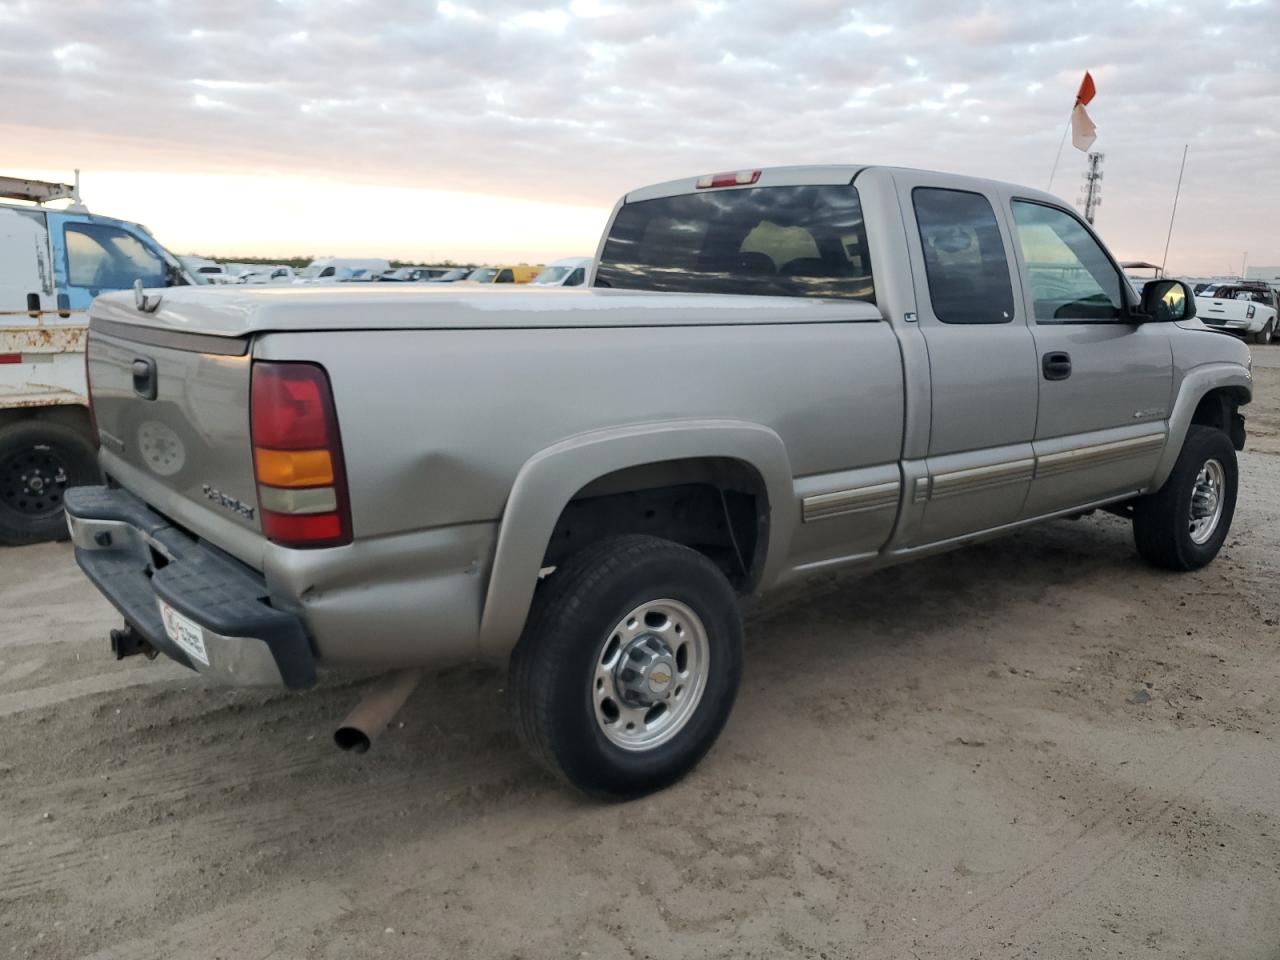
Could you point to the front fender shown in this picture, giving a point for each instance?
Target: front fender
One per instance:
(550, 479)
(1197, 382)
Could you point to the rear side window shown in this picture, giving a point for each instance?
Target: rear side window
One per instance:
(102, 257)
(806, 241)
(964, 257)
(1070, 276)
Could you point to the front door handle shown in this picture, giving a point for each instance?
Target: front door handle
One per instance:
(1056, 365)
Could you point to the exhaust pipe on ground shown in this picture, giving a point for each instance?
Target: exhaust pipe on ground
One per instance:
(374, 712)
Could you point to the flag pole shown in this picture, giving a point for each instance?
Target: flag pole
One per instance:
(1174, 212)
(1062, 143)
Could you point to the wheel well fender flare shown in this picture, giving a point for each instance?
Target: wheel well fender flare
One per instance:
(1196, 384)
(550, 478)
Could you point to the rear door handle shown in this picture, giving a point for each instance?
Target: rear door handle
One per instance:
(1056, 365)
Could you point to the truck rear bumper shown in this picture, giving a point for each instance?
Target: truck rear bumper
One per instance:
(142, 564)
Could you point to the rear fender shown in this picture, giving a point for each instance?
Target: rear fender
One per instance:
(550, 479)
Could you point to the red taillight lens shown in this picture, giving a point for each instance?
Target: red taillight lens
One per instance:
(302, 483)
(290, 406)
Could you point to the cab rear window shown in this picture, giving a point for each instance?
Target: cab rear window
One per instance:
(804, 241)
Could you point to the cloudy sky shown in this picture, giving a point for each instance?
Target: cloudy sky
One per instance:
(498, 130)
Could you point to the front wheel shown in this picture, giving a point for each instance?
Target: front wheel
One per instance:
(1183, 524)
(629, 665)
(39, 460)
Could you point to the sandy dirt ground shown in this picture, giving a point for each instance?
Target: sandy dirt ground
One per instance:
(1034, 748)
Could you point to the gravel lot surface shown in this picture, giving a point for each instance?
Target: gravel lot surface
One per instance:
(1037, 747)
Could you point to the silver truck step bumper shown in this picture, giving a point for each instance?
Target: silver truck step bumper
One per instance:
(186, 598)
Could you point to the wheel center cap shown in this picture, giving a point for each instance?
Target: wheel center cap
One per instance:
(35, 483)
(646, 671)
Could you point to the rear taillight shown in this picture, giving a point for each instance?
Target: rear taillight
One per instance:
(741, 178)
(297, 456)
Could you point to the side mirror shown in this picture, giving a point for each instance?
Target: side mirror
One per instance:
(1167, 300)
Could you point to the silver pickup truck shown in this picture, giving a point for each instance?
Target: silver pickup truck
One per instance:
(772, 373)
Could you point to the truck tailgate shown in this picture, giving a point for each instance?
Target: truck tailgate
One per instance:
(173, 419)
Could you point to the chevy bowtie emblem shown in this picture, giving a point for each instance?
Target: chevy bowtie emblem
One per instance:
(659, 676)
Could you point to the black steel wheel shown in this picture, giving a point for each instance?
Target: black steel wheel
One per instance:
(39, 460)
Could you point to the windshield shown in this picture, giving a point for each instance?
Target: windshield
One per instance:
(483, 275)
(788, 241)
(552, 275)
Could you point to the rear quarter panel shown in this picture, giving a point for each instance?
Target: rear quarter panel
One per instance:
(436, 425)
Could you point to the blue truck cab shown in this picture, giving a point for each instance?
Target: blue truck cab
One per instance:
(53, 262)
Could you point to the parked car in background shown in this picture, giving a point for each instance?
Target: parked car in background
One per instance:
(569, 272)
(452, 275)
(204, 270)
(53, 262)
(268, 275)
(338, 269)
(837, 367)
(1243, 307)
(507, 273)
(412, 274)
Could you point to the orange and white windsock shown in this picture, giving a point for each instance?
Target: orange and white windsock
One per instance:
(1083, 132)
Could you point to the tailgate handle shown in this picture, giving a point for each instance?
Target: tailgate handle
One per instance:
(144, 378)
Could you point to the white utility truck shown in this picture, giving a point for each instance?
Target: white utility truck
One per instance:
(53, 262)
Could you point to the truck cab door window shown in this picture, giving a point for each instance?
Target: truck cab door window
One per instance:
(102, 257)
(575, 279)
(964, 257)
(504, 276)
(1070, 277)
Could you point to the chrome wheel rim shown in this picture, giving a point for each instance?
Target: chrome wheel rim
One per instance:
(650, 673)
(1206, 501)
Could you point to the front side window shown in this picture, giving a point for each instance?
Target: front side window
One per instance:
(805, 241)
(504, 276)
(101, 257)
(575, 279)
(964, 257)
(1070, 276)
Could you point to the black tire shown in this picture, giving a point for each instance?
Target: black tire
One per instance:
(1263, 336)
(39, 460)
(554, 664)
(1162, 521)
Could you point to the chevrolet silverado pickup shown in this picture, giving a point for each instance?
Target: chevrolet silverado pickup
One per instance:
(1246, 308)
(769, 373)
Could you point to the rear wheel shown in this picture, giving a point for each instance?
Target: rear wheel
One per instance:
(39, 460)
(629, 665)
(1264, 335)
(1183, 524)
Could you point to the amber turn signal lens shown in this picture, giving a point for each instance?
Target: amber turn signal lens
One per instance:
(293, 468)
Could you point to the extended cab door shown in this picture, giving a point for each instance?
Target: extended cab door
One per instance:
(982, 362)
(1104, 379)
